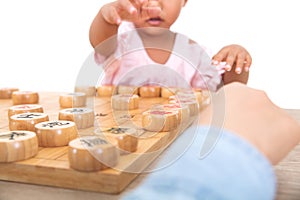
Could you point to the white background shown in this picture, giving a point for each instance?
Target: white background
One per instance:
(44, 43)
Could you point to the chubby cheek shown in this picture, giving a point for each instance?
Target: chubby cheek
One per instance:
(172, 13)
(169, 22)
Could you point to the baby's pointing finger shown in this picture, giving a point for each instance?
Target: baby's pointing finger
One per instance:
(111, 15)
(128, 6)
(116, 19)
(139, 2)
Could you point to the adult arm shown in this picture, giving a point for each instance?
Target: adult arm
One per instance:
(250, 114)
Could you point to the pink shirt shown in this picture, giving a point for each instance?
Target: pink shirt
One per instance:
(188, 65)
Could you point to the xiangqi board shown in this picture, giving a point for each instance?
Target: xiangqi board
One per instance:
(51, 166)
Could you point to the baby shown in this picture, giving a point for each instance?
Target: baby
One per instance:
(135, 33)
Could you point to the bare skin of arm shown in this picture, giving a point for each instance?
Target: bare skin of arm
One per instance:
(101, 31)
(250, 114)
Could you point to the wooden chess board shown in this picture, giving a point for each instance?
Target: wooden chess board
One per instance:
(51, 167)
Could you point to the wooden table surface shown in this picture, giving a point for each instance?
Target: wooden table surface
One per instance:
(288, 178)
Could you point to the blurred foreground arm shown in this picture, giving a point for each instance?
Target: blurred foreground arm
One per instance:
(250, 114)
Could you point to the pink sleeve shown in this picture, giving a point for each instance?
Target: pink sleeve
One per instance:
(207, 76)
(109, 64)
(99, 59)
(209, 80)
(110, 70)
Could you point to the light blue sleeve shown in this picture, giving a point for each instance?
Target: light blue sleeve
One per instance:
(233, 170)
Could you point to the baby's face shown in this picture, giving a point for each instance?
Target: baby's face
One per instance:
(162, 13)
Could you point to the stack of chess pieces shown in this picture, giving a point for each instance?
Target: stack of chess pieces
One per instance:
(30, 127)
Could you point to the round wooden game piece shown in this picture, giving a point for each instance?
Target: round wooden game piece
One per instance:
(183, 111)
(26, 121)
(106, 90)
(190, 95)
(55, 133)
(87, 90)
(191, 103)
(149, 91)
(127, 141)
(17, 145)
(125, 101)
(25, 97)
(26, 108)
(92, 153)
(159, 120)
(186, 94)
(83, 117)
(6, 93)
(205, 97)
(167, 92)
(72, 100)
(124, 89)
(173, 98)
(199, 97)
(197, 89)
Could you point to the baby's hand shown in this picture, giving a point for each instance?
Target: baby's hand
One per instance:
(129, 10)
(233, 55)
